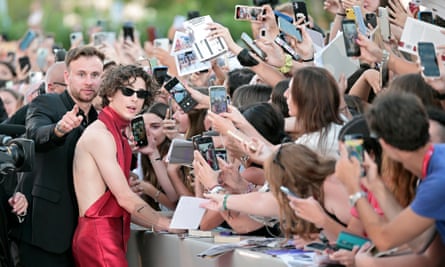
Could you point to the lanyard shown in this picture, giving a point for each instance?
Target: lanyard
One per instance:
(426, 161)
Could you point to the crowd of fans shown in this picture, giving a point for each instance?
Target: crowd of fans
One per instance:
(285, 126)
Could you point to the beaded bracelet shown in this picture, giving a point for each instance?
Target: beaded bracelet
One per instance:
(226, 196)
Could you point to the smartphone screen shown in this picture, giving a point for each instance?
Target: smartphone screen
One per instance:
(354, 145)
(428, 60)
(289, 29)
(204, 144)
(128, 30)
(300, 10)
(218, 99)
(426, 16)
(27, 40)
(104, 37)
(350, 36)
(180, 94)
(138, 130)
(248, 12)
(160, 74)
(253, 47)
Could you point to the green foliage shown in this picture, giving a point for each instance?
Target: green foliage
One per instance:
(162, 16)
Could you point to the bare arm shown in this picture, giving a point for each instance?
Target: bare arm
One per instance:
(115, 180)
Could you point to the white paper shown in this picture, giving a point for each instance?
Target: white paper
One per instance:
(188, 214)
(419, 31)
(333, 58)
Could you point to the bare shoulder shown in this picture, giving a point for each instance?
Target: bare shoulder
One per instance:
(96, 136)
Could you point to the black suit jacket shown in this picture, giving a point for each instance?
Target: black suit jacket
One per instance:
(53, 212)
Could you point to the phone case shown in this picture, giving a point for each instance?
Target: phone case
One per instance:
(247, 12)
(350, 14)
(287, 48)
(254, 48)
(289, 29)
(385, 29)
(348, 241)
(138, 129)
(359, 20)
(180, 95)
(299, 10)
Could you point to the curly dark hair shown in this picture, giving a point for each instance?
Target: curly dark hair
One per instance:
(126, 75)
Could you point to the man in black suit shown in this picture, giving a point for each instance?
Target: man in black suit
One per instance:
(55, 123)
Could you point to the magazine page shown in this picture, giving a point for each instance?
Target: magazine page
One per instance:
(419, 31)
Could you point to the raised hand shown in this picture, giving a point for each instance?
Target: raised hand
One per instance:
(68, 122)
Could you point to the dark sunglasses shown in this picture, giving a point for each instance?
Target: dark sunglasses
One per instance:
(276, 159)
(59, 83)
(142, 94)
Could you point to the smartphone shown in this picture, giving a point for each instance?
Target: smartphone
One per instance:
(75, 36)
(180, 94)
(128, 29)
(163, 43)
(371, 18)
(383, 75)
(253, 47)
(35, 77)
(27, 40)
(315, 246)
(104, 37)
(263, 32)
(160, 74)
(385, 29)
(426, 16)
(359, 20)
(287, 48)
(288, 192)
(439, 21)
(23, 62)
(248, 12)
(354, 145)
(41, 60)
(350, 13)
(350, 36)
(138, 130)
(428, 60)
(278, 14)
(300, 10)
(290, 29)
(347, 241)
(204, 144)
(218, 99)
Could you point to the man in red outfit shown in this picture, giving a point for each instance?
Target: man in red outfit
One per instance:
(101, 171)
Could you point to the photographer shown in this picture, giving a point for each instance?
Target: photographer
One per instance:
(13, 208)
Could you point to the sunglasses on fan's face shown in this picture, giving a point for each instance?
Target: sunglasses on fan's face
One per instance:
(141, 93)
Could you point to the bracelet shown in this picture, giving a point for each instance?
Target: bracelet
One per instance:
(308, 60)
(58, 128)
(287, 64)
(156, 159)
(216, 189)
(341, 14)
(246, 59)
(157, 196)
(226, 196)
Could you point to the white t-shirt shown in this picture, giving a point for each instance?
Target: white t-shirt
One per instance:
(324, 142)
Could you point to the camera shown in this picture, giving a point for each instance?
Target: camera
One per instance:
(265, 2)
(16, 155)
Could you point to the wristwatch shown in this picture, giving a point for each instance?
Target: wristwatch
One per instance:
(355, 197)
(217, 189)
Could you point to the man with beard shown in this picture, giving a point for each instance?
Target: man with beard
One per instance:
(55, 122)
